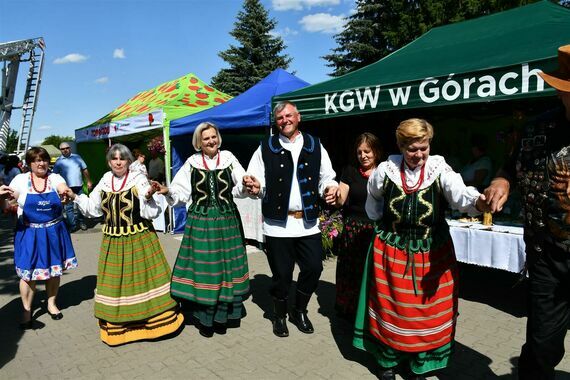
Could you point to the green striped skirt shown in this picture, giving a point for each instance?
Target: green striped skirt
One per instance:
(211, 267)
(132, 278)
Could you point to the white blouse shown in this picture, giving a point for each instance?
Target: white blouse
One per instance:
(22, 185)
(90, 206)
(180, 190)
(458, 195)
(137, 166)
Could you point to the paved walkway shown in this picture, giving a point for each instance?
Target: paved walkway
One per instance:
(489, 334)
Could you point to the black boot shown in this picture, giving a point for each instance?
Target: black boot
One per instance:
(280, 318)
(386, 374)
(299, 316)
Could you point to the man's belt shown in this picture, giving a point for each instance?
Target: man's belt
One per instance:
(565, 246)
(296, 214)
(44, 225)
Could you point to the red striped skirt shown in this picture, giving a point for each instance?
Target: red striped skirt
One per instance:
(412, 299)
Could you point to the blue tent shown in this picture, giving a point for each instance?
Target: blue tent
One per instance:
(248, 110)
(251, 109)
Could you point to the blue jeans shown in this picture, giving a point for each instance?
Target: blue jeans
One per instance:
(72, 215)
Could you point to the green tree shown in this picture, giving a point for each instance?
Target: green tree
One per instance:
(257, 54)
(380, 27)
(55, 140)
(12, 141)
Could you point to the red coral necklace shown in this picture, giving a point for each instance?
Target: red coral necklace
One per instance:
(206, 165)
(414, 188)
(34, 185)
(122, 185)
(363, 172)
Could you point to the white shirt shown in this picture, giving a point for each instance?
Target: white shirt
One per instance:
(458, 195)
(180, 190)
(91, 206)
(291, 227)
(138, 166)
(23, 186)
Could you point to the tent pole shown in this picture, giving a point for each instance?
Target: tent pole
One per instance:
(168, 172)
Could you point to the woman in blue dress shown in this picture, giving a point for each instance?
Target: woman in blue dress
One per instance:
(42, 244)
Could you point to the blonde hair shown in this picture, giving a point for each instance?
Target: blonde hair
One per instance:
(412, 130)
(197, 136)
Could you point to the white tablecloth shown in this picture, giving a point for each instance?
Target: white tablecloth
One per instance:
(251, 218)
(501, 247)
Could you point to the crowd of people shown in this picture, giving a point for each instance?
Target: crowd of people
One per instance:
(397, 274)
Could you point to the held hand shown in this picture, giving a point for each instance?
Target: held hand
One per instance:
(251, 184)
(496, 194)
(89, 185)
(481, 204)
(158, 188)
(331, 194)
(6, 192)
(67, 195)
(150, 192)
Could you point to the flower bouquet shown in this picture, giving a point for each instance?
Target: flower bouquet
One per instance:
(331, 225)
(156, 144)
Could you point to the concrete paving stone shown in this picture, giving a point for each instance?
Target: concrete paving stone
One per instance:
(249, 352)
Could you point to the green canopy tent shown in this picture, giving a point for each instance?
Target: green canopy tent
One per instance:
(146, 114)
(491, 58)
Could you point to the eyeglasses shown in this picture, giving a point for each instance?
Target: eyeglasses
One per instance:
(65, 148)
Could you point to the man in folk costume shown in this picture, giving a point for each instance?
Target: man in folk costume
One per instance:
(290, 171)
(408, 301)
(542, 170)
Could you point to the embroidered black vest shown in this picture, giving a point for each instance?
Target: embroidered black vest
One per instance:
(278, 164)
(410, 221)
(121, 213)
(211, 188)
(543, 172)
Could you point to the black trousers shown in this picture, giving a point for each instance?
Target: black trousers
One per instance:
(548, 314)
(283, 253)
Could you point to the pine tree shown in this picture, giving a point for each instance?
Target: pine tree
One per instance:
(380, 27)
(258, 52)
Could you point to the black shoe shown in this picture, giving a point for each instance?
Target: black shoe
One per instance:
(55, 317)
(219, 328)
(299, 316)
(280, 318)
(387, 374)
(301, 320)
(29, 325)
(206, 331)
(280, 327)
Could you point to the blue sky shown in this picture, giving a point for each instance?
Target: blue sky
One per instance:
(99, 53)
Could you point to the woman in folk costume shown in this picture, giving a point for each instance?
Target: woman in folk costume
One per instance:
(42, 244)
(211, 272)
(408, 300)
(132, 300)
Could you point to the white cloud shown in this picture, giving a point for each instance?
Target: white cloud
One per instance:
(323, 23)
(70, 58)
(102, 80)
(44, 127)
(119, 53)
(284, 32)
(297, 5)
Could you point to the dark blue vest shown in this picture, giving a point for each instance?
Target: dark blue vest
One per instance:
(278, 165)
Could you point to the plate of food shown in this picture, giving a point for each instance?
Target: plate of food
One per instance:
(470, 220)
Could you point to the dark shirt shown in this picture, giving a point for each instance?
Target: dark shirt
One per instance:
(357, 193)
